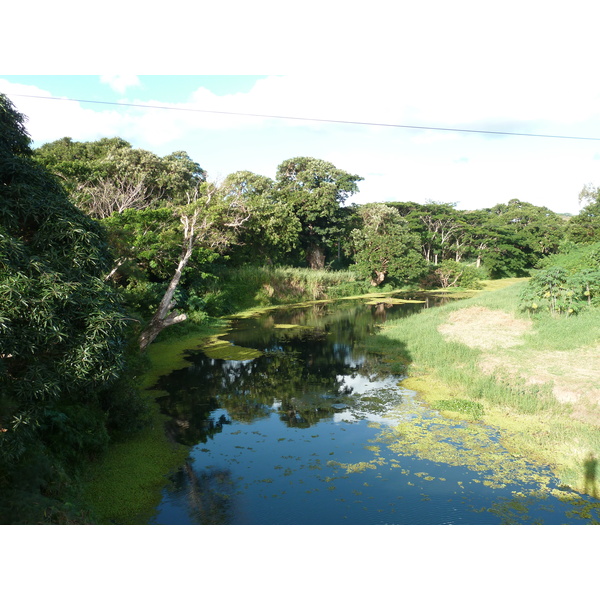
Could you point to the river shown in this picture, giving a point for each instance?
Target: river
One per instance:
(290, 421)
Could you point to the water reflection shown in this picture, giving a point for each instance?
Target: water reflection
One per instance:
(207, 494)
(305, 370)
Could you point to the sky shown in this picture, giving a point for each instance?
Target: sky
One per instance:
(529, 71)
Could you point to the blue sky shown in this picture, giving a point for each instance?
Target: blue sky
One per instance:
(515, 69)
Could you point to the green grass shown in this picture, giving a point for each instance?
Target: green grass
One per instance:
(448, 377)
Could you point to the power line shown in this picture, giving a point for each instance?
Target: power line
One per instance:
(266, 116)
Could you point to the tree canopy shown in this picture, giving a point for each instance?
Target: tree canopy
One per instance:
(109, 175)
(316, 190)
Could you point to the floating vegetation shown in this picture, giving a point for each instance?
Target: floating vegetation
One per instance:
(224, 350)
(473, 446)
(390, 300)
(352, 467)
(375, 449)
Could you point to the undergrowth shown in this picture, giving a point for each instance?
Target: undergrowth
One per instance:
(245, 287)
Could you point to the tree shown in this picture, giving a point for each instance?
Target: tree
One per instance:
(109, 175)
(439, 226)
(585, 227)
(272, 228)
(316, 191)
(207, 221)
(540, 229)
(62, 329)
(385, 247)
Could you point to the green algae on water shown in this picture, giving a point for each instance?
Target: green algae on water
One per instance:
(216, 348)
(390, 300)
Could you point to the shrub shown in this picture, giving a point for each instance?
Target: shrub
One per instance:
(558, 292)
(450, 273)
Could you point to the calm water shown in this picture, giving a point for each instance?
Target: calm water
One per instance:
(315, 431)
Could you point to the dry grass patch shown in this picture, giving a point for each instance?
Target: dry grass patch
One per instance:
(573, 375)
(480, 327)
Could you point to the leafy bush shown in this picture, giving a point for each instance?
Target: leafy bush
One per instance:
(450, 273)
(569, 283)
(555, 291)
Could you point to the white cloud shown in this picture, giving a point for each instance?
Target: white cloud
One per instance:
(120, 83)
(48, 120)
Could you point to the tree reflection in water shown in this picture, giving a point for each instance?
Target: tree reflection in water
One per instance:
(303, 371)
(267, 468)
(208, 494)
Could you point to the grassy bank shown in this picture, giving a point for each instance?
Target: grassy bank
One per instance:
(480, 359)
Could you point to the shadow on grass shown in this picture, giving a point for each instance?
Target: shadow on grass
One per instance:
(590, 467)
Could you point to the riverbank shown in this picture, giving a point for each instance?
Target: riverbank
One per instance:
(538, 380)
(125, 485)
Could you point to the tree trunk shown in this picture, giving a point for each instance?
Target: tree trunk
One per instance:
(378, 279)
(165, 315)
(315, 257)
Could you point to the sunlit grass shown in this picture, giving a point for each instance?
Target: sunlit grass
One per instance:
(447, 374)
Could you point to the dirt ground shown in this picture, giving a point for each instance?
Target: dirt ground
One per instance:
(573, 375)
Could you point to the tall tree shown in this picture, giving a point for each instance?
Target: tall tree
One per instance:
(208, 221)
(272, 229)
(316, 191)
(385, 247)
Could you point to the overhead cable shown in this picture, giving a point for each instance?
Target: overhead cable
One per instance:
(341, 122)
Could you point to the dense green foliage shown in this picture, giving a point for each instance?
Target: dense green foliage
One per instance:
(569, 283)
(450, 273)
(316, 191)
(585, 227)
(272, 229)
(385, 247)
(62, 334)
(507, 239)
(110, 176)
